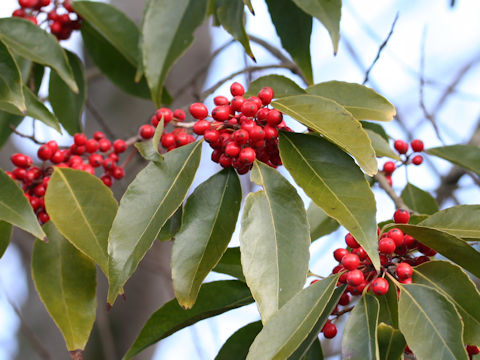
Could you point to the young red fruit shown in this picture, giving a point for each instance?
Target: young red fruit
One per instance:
(92, 146)
(146, 131)
(406, 281)
(225, 161)
(329, 330)
(98, 135)
(211, 135)
(221, 113)
(220, 100)
(200, 127)
(44, 153)
(401, 146)
(409, 241)
(397, 236)
(338, 254)
(249, 108)
(344, 299)
(247, 155)
(404, 271)
(386, 246)
(166, 113)
(107, 180)
(232, 149)
(360, 252)
(266, 95)
(351, 242)
(389, 167)
(21, 160)
(199, 111)
(240, 136)
(274, 117)
(417, 145)
(236, 89)
(350, 261)
(401, 216)
(95, 160)
(167, 140)
(79, 139)
(119, 146)
(179, 114)
(355, 277)
(417, 160)
(380, 286)
(473, 350)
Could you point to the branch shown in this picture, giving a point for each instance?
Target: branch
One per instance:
(99, 118)
(382, 181)
(30, 137)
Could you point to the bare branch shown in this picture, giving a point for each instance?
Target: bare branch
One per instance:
(30, 137)
(382, 181)
(99, 118)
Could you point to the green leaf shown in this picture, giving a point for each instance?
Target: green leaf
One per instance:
(291, 325)
(381, 147)
(209, 220)
(249, 5)
(315, 352)
(116, 27)
(214, 299)
(6, 230)
(391, 342)
(419, 200)
(320, 223)
(82, 208)
(461, 221)
(281, 85)
(274, 241)
(335, 123)
(172, 226)
(7, 120)
(359, 339)
(362, 102)
(15, 208)
(426, 314)
(66, 281)
(294, 28)
(150, 200)
(39, 46)
(230, 264)
(453, 283)
(112, 63)
(448, 245)
(10, 80)
(375, 127)
(333, 181)
(328, 12)
(149, 148)
(388, 312)
(236, 347)
(66, 104)
(163, 45)
(231, 16)
(466, 156)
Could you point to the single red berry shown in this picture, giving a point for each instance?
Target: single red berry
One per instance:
(98, 135)
(404, 271)
(266, 95)
(338, 254)
(386, 246)
(274, 117)
(211, 135)
(64, 18)
(355, 277)
(383, 260)
(236, 89)
(79, 139)
(95, 160)
(426, 250)
(107, 180)
(39, 190)
(67, 4)
(360, 252)
(118, 172)
(146, 131)
(221, 113)
(351, 242)
(350, 261)
(406, 281)
(421, 259)
(167, 140)
(44, 3)
(329, 330)
(221, 100)
(344, 299)
(119, 146)
(225, 161)
(249, 108)
(44, 153)
(104, 145)
(409, 241)
(19, 173)
(389, 167)
(380, 286)
(200, 127)
(92, 146)
(338, 269)
(21, 160)
(109, 164)
(181, 139)
(247, 155)
(27, 3)
(270, 132)
(179, 114)
(198, 111)
(232, 149)
(19, 13)
(397, 236)
(417, 145)
(43, 217)
(473, 350)
(417, 160)
(166, 113)
(401, 216)
(237, 103)
(240, 136)
(256, 133)
(256, 100)
(401, 146)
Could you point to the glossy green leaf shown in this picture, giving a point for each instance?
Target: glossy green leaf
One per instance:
(328, 12)
(66, 281)
(148, 149)
(291, 325)
(6, 230)
(66, 104)
(388, 312)
(320, 223)
(163, 45)
(376, 127)
(214, 299)
(209, 220)
(281, 85)
(461, 221)
(419, 200)
(15, 208)
(82, 208)
(112, 64)
(230, 264)
(171, 227)
(236, 347)
(335, 183)
(426, 314)
(294, 28)
(362, 102)
(453, 283)
(381, 147)
(10, 80)
(231, 16)
(7, 120)
(120, 31)
(448, 245)
(150, 200)
(391, 342)
(335, 123)
(39, 46)
(315, 352)
(274, 241)
(359, 339)
(466, 156)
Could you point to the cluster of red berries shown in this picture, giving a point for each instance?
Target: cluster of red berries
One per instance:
(398, 253)
(402, 148)
(62, 20)
(84, 154)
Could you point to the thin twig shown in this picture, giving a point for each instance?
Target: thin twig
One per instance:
(99, 118)
(380, 50)
(31, 137)
(382, 181)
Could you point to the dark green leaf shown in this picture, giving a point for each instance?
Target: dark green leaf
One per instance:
(236, 347)
(335, 123)
(367, 125)
(453, 283)
(66, 104)
(230, 264)
(150, 200)
(172, 226)
(274, 241)
(214, 298)
(66, 281)
(7, 120)
(320, 223)
(335, 183)
(315, 352)
(430, 324)
(163, 45)
(461, 221)
(10, 80)
(5, 235)
(391, 342)
(15, 208)
(381, 147)
(208, 223)
(419, 200)
(389, 306)
(281, 85)
(359, 339)
(39, 46)
(466, 156)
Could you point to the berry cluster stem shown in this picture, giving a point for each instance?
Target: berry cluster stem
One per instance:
(383, 183)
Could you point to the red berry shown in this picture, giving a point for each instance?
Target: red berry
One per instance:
(274, 117)
(167, 140)
(27, 3)
(104, 144)
(146, 131)
(118, 172)
(401, 216)
(417, 145)
(92, 146)
(79, 139)
(329, 330)
(198, 111)
(406, 281)
(401, 146)
(473, 350)
(249, 108)
(236, 89)
(404, 271)
(221, 113)
(266, 95)
(397, 236)
(225, 161)
(211, 135)
(44, 153)
(200, 127)
(389, 167)
(95, 160)
(344, 299)
(247, 155)
(107, 180)
(232, 149)
(237, 103)
(380, 286)
(270, 132)
(240, 136)
(351, 242)
(360, 252)
(355, 277)
(179, 114)
(181, 139)
(21, 160)
(64, 18)
(221, 100)
(409, 241)
(166, 113)
(256, 133)
(350, 261)
(109, 164)
(389, 180)
(417, 160)
(339, 254)
(43, 217)
(119, 146)
(386, 246)
(19, 13)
